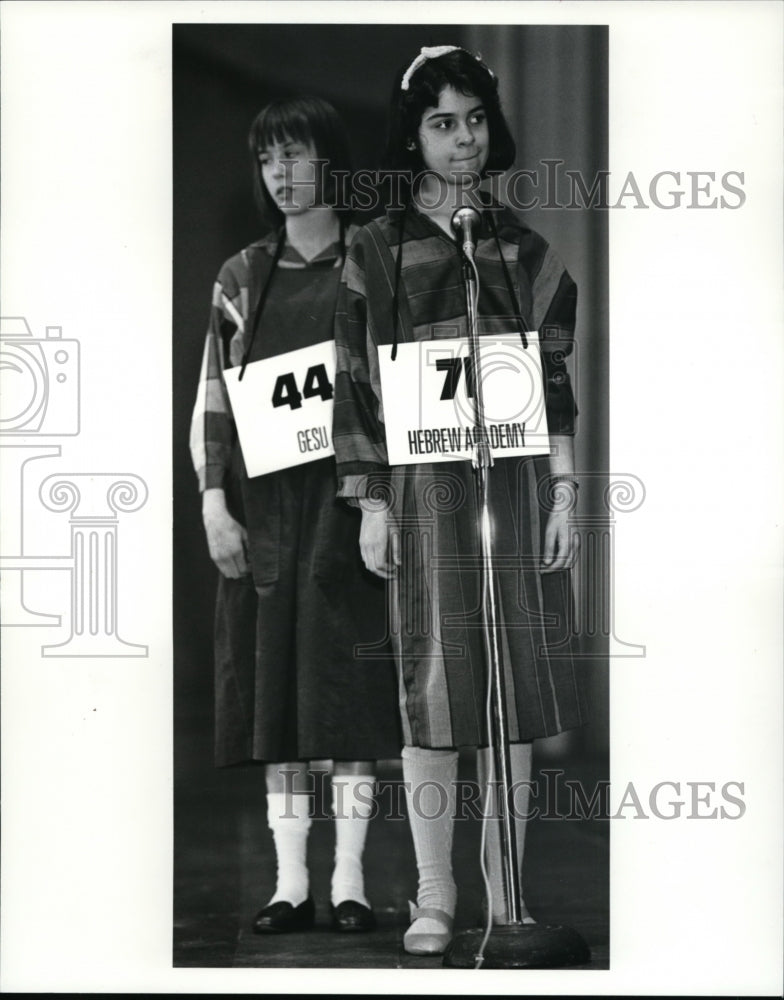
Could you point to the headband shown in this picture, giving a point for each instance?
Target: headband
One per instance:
(433, 52)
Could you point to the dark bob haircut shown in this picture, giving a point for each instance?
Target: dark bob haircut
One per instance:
(306, 119)
(466, 74)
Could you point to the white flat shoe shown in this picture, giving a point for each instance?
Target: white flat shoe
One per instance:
(417, 941)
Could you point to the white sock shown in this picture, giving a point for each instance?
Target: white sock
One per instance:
(521, 757)
(352, 807)
(288, 816)
(430, 777)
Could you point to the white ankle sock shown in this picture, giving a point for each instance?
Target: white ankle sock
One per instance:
(521, 757)
(288, 816)
(352, 807)
(430, 777)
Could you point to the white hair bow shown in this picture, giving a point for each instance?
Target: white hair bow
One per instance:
(425, 53)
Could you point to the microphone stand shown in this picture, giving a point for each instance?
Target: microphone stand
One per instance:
(514, 944)
(483, 461)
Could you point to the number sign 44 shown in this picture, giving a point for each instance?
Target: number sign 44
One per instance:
(282, 404)
(317, 383)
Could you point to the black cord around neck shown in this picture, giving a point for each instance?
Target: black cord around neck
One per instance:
(509, 286)
(398, 268)
(263, 299)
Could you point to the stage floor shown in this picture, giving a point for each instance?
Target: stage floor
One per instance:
(224, 866)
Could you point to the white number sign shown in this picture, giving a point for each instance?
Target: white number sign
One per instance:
(428, 395)
(283, 408)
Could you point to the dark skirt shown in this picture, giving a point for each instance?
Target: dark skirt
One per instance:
(304, 667)
(438, 635)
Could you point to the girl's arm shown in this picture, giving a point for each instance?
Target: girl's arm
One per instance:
(357, 432)
(379, 542)
(550, 298)
(226, 538)
(211, 441)
(561, 546)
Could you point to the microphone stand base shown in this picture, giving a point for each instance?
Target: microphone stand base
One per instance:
(518, 946)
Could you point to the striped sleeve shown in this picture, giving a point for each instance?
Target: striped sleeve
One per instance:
(212, 433)
(357, 431)
(553, 310)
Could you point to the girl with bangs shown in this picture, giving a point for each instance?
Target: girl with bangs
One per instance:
(294, 599)
(402, 282)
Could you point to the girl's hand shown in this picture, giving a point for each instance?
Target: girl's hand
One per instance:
(561, 546)
(379, 543)
(226, 538)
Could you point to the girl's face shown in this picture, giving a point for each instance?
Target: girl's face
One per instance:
(454, 138)
(290, 176)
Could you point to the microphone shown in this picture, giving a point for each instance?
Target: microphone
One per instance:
(464, 222)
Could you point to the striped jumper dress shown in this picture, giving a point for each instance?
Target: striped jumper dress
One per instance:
(302, 669)
(436, 621)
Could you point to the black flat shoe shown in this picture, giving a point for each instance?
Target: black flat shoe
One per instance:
(351, 916)
(283, 918)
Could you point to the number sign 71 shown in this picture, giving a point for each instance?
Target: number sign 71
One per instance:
(453, 367)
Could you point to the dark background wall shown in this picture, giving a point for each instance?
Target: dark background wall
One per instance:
(554, 90)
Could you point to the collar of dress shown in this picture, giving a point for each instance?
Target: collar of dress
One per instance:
(291, 257)
(423, 221)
